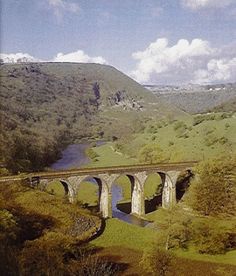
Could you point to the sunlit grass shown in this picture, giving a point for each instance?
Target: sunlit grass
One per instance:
(107, 157)
(119, 233)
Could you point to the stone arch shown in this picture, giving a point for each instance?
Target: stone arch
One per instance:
(182, 183)
(154, 197)
(168, 189)
(103, 192)
(136, 191)
(68, 189)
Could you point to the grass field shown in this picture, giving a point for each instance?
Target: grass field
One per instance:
(107, 156)
(121, 234)
(87, 193)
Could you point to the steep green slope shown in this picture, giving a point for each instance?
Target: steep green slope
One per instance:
(45, 106)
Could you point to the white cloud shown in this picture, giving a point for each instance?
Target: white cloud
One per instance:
(61, 6)
(200, 4)
(78, 56)
(17, 58)
(218, 70)
(184, 62)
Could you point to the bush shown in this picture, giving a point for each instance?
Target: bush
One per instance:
(151, 153)
(180, 125)
(227, 125)
(92, 154)
(223, 140)
(210, 140)
(158, 261)
(171, 143)
(198, 120)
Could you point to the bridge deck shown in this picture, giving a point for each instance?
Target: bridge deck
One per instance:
(161, 167)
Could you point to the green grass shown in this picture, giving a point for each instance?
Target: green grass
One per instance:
(119, 233)
(122, 234)
(109, 157)
(192, 146)
(228, 258)
(56, 188)
(33, 201)
(87, 192)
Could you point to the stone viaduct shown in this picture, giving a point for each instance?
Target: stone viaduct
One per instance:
(105, 177)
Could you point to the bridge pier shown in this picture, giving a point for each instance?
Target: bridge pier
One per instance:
(169, 189)
(138, 200)
(105, 202)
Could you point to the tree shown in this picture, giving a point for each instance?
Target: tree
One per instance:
(151, 153)
(158, 261)
(213, 191)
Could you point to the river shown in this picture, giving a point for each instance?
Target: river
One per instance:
(74, 156)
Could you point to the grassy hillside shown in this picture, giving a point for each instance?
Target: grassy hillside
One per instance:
(46, 106)
(197, 138)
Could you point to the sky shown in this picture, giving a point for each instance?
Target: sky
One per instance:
(152, 41)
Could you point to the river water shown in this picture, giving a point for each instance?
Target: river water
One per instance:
(74, 157)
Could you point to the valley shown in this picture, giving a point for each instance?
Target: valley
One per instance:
(69, 116)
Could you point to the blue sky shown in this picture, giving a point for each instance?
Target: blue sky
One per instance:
(154, 41)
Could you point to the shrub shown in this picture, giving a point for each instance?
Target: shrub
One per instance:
(92, 154)
(153, 138)
(223, 140)
(180, 125)
(227, 125)
(158, 261)
(171, 143)
(210, 140)
(198, 120)
(151, 153)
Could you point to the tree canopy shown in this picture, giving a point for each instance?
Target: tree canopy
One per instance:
(213, 191)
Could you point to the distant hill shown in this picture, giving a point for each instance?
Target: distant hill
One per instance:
(195, 98)
(229, 106)
(45, 106)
